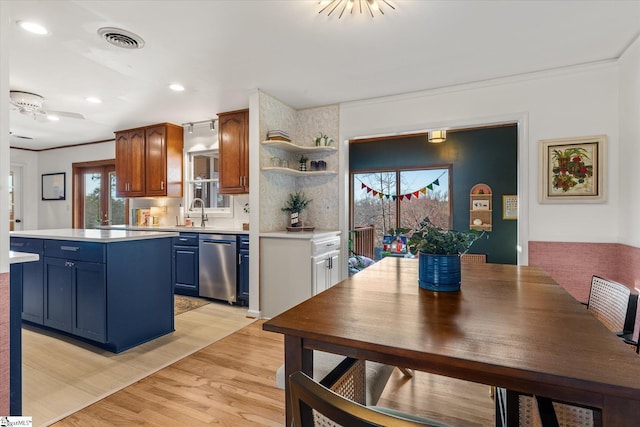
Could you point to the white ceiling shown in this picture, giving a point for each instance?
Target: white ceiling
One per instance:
(219, 50)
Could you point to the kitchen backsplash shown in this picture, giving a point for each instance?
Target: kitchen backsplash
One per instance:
(166, 209)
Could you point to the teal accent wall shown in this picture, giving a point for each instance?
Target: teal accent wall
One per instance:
(487, 155)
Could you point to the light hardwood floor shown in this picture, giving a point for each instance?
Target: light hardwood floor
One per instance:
(62, 375)
(232, 383)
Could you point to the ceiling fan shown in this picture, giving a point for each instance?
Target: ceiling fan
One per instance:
(30, 104)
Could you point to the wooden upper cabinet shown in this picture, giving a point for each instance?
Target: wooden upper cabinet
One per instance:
(149, 161)
(130, 164)
(234, 152)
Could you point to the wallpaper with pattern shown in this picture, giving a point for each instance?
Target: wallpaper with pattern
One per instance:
(303, 126)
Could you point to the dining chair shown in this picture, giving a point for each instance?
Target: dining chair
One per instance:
(315, 405)
(539, 411)
(614, 305)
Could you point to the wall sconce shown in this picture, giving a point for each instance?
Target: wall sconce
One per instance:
(437, 136)
(190, 128)
(212, 125)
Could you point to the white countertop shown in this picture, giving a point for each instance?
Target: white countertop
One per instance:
(19, 257)
(181, 229)
(315, 234)
(92, 235)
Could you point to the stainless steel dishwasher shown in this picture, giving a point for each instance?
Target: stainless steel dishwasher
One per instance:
(218, 266)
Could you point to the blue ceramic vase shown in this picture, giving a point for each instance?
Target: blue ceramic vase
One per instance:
(439, 272)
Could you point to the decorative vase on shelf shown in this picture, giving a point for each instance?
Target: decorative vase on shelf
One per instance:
(303, 163)
(294, 218)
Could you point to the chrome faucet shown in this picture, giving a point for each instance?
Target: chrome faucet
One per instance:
(203, 216)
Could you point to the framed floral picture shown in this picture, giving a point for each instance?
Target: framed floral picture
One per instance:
(572, 170)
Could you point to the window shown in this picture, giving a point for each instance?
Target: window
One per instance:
(400, 199)
(203, 183)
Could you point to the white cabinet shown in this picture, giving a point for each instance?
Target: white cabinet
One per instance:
(294, 266)
(326, 271)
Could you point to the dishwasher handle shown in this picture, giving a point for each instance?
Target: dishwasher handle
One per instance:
(217, 242)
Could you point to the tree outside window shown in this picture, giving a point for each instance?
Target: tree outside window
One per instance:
(399, 199)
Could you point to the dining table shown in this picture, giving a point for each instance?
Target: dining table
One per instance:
(508, 326)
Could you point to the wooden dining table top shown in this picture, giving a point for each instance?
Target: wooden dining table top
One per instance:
(509, 326)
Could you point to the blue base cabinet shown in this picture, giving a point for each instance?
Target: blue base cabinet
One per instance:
(243, 269)
(116, 295)
(185, 264)
(32, 279)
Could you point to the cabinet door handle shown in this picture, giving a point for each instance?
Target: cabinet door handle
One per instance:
(162, 185)
(69, 264)
(69, 248)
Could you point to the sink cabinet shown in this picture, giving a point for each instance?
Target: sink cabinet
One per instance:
(233, 141)
(149, 161)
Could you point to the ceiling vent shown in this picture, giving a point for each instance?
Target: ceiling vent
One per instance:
(121, 38)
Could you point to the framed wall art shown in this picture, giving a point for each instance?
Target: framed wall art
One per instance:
(509, 206)
(572, 170)
(53, 186)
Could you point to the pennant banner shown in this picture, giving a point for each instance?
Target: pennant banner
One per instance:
(408, 196)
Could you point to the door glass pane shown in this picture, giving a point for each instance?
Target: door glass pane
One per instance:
(400, 200)
(432, 200)
(373, 204)
(91, 200)
(116, 204)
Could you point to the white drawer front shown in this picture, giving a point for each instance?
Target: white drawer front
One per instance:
(326, 245)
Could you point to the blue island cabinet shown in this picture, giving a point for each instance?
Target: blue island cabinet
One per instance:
(32, 283)
(117, 294)
(76, 295)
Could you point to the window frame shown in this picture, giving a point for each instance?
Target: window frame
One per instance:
(398, 211)
(189, 181)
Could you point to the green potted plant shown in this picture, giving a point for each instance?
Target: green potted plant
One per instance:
(294, 205)
(439, 254)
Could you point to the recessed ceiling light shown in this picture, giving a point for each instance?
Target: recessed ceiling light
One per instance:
(176, 87)
(93, 100)
(32, 27)
(53, 118)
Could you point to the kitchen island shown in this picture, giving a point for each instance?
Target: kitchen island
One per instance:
(111, 288)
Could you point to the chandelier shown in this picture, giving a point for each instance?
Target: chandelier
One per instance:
(342, 6)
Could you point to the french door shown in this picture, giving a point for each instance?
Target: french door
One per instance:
(95, 202)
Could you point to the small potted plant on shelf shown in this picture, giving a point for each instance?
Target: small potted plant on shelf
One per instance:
(439, 254)
(303, 163)
(294, 205)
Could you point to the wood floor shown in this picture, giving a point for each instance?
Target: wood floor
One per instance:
(62, 375)
(232, 383)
